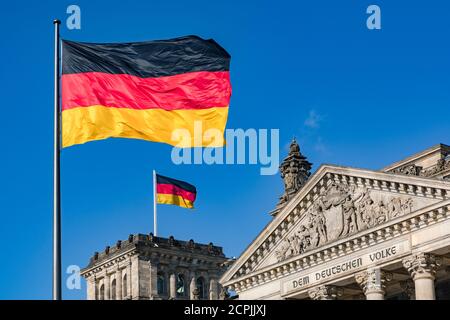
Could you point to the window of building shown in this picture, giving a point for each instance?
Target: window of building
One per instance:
(161, 284)
(124, 286)
(113, 290)
(102, 292)
(201, 288)
(180, 285)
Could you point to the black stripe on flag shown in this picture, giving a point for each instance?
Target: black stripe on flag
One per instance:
(181, 184)
(145, 59)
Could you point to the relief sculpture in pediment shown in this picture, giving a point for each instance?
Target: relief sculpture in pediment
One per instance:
(340, 211)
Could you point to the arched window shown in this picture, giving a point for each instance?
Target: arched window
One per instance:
(180, 285)
(161, 283)
(201, 288)
(102, 292)
(124, 287)
(113, 290)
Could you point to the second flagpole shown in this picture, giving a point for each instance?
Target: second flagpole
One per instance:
(155, 219)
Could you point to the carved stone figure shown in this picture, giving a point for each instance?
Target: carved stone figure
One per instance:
(304, 237)
(366, 211)
(380, 212)
(349, 216)
(282, 251)
(319, 227)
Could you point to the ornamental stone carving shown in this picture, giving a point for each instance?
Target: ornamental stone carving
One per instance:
(373, 280)
(412, 169)
(295, 171)
(340, 211)
(326, 292)
(422, 264)
(441, 165)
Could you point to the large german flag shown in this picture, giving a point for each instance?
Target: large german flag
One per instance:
(144, 90)
(172, 191)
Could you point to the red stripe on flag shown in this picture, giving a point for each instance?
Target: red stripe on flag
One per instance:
(171, 189)
(195, 90)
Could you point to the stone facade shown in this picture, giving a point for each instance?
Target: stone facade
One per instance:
(147, 267)
(347, 233)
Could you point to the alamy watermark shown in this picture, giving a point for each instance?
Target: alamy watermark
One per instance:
(73, 281)
(73, 21)
(374, 20)
(250, 146)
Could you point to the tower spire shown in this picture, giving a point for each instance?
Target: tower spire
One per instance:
(295, 171)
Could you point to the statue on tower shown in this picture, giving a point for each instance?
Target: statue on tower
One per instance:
(295, 171)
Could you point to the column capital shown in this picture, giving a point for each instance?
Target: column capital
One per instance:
(325, 292)
(422, 265)
(373, 280)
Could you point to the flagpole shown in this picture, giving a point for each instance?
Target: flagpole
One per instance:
(56, 176)
(155, 227)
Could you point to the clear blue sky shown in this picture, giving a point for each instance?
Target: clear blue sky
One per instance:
(310, 68)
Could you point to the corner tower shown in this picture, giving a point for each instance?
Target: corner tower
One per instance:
(146, 267)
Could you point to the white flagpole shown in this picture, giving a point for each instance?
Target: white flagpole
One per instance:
(155, 228)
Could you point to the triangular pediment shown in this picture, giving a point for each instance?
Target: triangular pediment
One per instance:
(336, 203)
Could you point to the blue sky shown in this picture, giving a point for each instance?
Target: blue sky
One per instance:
(312, 69)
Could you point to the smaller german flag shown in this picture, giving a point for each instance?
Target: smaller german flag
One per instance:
(172, 191)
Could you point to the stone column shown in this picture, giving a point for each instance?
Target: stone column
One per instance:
(153, 279)
(327, 292)
(408, 288)
(91, 287)
(192, 286)
(95, 283)
(213, 289)
(118, 283)
(173, 286)
(422, 267)
(107, 286)
(129, 280)
(136, 278)
(373, 283)
(90, 282)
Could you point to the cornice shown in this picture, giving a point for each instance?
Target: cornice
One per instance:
(416, 157)
(105, 264)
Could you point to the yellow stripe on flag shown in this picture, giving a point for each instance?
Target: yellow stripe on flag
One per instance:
(83, 124)
(174, 199)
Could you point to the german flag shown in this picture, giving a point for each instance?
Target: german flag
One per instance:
(172, 191)
(144, 90)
